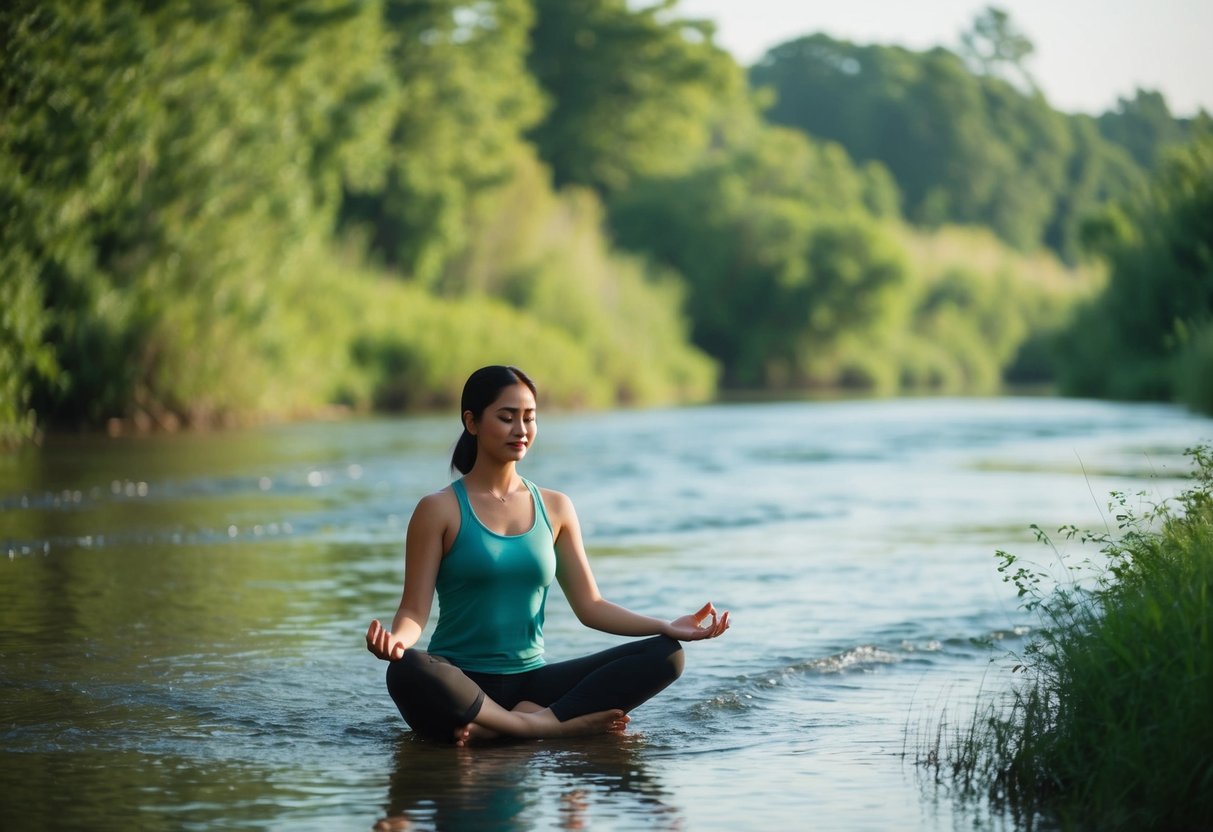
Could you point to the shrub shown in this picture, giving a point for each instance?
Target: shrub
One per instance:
(1112, 726)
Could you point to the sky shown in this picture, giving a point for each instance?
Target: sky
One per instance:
(1088, 53)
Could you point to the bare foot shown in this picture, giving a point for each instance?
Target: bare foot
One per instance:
(494, 721)
(466, 734)
(613, 721)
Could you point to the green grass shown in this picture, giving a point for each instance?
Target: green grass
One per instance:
(1111, 726)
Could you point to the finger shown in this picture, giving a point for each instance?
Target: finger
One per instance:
(375, 633)
(716, 629)
(703, 612)
(723, 624)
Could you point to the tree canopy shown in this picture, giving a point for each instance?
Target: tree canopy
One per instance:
(968, 137)
(1150, 334)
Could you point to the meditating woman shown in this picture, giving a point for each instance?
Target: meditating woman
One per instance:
(490, 544)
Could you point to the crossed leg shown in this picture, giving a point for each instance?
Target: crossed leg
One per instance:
(441, 702)
(579, 695)
(528, 719)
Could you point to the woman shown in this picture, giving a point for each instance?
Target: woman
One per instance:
(490, 544)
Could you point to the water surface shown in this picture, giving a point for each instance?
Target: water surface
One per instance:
(181, 617)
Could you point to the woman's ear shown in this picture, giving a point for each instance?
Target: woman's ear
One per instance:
(469, 422)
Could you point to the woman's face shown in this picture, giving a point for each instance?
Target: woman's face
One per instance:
(507, 427)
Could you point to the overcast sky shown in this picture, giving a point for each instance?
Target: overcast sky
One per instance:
(1088, 52)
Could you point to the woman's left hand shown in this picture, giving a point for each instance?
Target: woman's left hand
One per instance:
(692, 627)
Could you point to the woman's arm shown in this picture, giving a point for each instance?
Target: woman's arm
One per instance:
(423, 547)
(577, 580)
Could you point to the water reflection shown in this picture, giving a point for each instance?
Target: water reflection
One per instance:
(565, 784)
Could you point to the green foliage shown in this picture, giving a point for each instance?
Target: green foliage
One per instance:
(171, 177)
(781, 257)
(24, 354)
(633, 92)
(1159, 300)
(1112, 725)
(1193, 368)
(462, 99)
(553, 262)
(412, 350)
(162, 168)
(793, 283)
(1143, 125)
(994, 46)
(963, 147)
(194, 198)
(1098, 173)
(982, 314)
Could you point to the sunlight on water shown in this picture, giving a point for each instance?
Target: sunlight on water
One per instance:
(181, 617)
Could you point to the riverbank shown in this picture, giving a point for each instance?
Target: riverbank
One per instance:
(1112, 725)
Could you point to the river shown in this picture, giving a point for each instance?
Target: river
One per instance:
(181, 617)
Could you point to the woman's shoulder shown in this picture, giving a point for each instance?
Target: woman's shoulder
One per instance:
(556, 502)
(437, 506)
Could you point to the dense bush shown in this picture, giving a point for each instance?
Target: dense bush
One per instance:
(1146, 337)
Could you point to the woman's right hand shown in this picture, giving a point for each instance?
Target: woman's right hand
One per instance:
(691, 627)
(382, 643)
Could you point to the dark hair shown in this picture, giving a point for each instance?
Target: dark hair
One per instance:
(480, 390)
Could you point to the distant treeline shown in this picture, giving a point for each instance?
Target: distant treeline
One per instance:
(972, 141)
(218, 211)
(969, 139)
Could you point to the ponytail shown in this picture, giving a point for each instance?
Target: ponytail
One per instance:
(464, 456)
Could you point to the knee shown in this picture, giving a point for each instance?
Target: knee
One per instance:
(672, 654)
(403, 671)
(412, 689)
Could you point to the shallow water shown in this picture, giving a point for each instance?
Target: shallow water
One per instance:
(181, 618)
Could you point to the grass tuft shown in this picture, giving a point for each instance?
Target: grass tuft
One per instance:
(1111, 726)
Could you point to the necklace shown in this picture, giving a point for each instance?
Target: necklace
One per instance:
(500, 497)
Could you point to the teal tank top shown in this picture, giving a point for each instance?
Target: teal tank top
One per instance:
(491, 593)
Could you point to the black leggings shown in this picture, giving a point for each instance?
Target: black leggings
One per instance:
(435, 697)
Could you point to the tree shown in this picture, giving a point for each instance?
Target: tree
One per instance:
(1143, 125)
(778, 250)
(962, 147)
(160, 167)
(464, 99)
(995, 46)
(632, 92)
(1159, 299)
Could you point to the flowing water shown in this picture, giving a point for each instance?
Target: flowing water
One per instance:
(181, 618)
